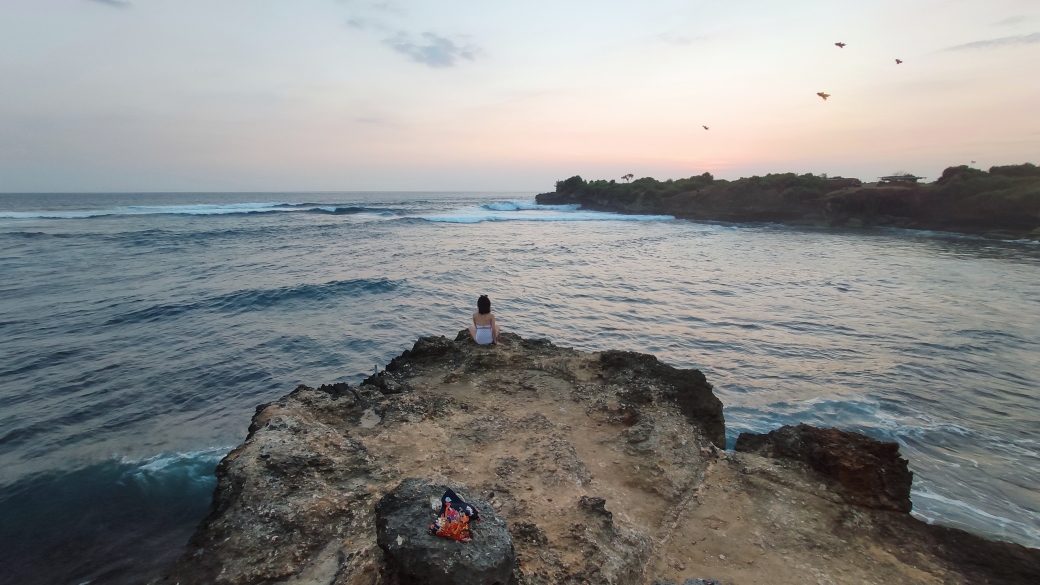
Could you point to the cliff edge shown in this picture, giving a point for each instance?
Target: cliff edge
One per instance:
(605, 467)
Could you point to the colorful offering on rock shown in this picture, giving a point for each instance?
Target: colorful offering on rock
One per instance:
(453, 520)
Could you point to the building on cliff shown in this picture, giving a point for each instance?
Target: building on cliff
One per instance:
(899, 180)
(834, 183)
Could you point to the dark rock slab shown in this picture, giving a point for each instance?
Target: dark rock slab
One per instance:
(403, 518)
(646, 378)
(871, 471)
(974, 559)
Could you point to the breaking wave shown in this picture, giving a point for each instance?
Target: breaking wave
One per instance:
(124, 518)
(531, 211)
(353, 210)
(200, 209)
(517, 210)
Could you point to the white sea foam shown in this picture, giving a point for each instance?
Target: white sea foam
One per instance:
(896, 425)
(195, 209)
(51, 214)
(162, 461)
(960, 512)
(529, 206)
(208, 209)
(193, 465)
(531, 211)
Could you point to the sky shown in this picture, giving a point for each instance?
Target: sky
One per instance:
(345, 95)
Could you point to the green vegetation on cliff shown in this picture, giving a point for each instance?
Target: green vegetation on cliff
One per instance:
(1005, 201)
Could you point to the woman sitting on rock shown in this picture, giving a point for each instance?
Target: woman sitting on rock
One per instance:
(484, 330)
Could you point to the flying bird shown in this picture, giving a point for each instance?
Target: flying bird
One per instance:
(823, 95)
(972, 162)
(705, 127)
(840, 45)
(898, 61)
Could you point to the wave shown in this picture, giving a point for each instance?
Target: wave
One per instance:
(934, 507)
(35, 235)
(199, 209)
(173, 475)
(494, 211)
(531, 211)
(191, 467)
(858, 413)
(173, 470)
(51, 214)
(966, 499)
(528, 206)
(194, 209)
(207, 209)
(257, 299)
(352, 210)
(119, 520)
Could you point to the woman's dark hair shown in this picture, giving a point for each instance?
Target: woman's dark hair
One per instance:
(483, 305)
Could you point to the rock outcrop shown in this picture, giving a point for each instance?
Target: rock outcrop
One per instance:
(403, 518)
(1002, 203)
(870, 472)
(605, 468)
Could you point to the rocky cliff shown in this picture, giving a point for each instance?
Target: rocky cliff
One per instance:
(605, 467)
(1003, 202)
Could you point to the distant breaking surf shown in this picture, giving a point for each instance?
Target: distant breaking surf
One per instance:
(495, 211)
(531, 211)
(200, 209)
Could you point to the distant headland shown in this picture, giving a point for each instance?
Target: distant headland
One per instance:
(1003, 202)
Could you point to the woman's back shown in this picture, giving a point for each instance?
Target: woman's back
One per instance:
(484, 329)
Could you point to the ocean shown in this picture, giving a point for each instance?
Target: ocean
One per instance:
(138, 332)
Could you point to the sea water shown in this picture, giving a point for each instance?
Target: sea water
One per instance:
(139, 332)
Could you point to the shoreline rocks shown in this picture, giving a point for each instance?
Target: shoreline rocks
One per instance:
(602, 466)
(871, 472)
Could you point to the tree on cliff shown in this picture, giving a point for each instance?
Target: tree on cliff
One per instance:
(570, 185)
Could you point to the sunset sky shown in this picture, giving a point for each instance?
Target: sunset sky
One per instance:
(300, 95)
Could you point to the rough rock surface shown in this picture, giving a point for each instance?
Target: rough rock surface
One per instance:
(871, 472)
(604, 466)
(403, 518)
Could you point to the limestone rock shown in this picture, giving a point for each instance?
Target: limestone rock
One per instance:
(603, 463)
(645, 378)
(403, 518)
(871, 471)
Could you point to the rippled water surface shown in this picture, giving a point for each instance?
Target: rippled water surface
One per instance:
(138, 333)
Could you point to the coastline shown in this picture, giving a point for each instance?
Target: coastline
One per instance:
(538, 430)
(1003, 203)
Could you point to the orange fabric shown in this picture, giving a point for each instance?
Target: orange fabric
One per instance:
(453, 524)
